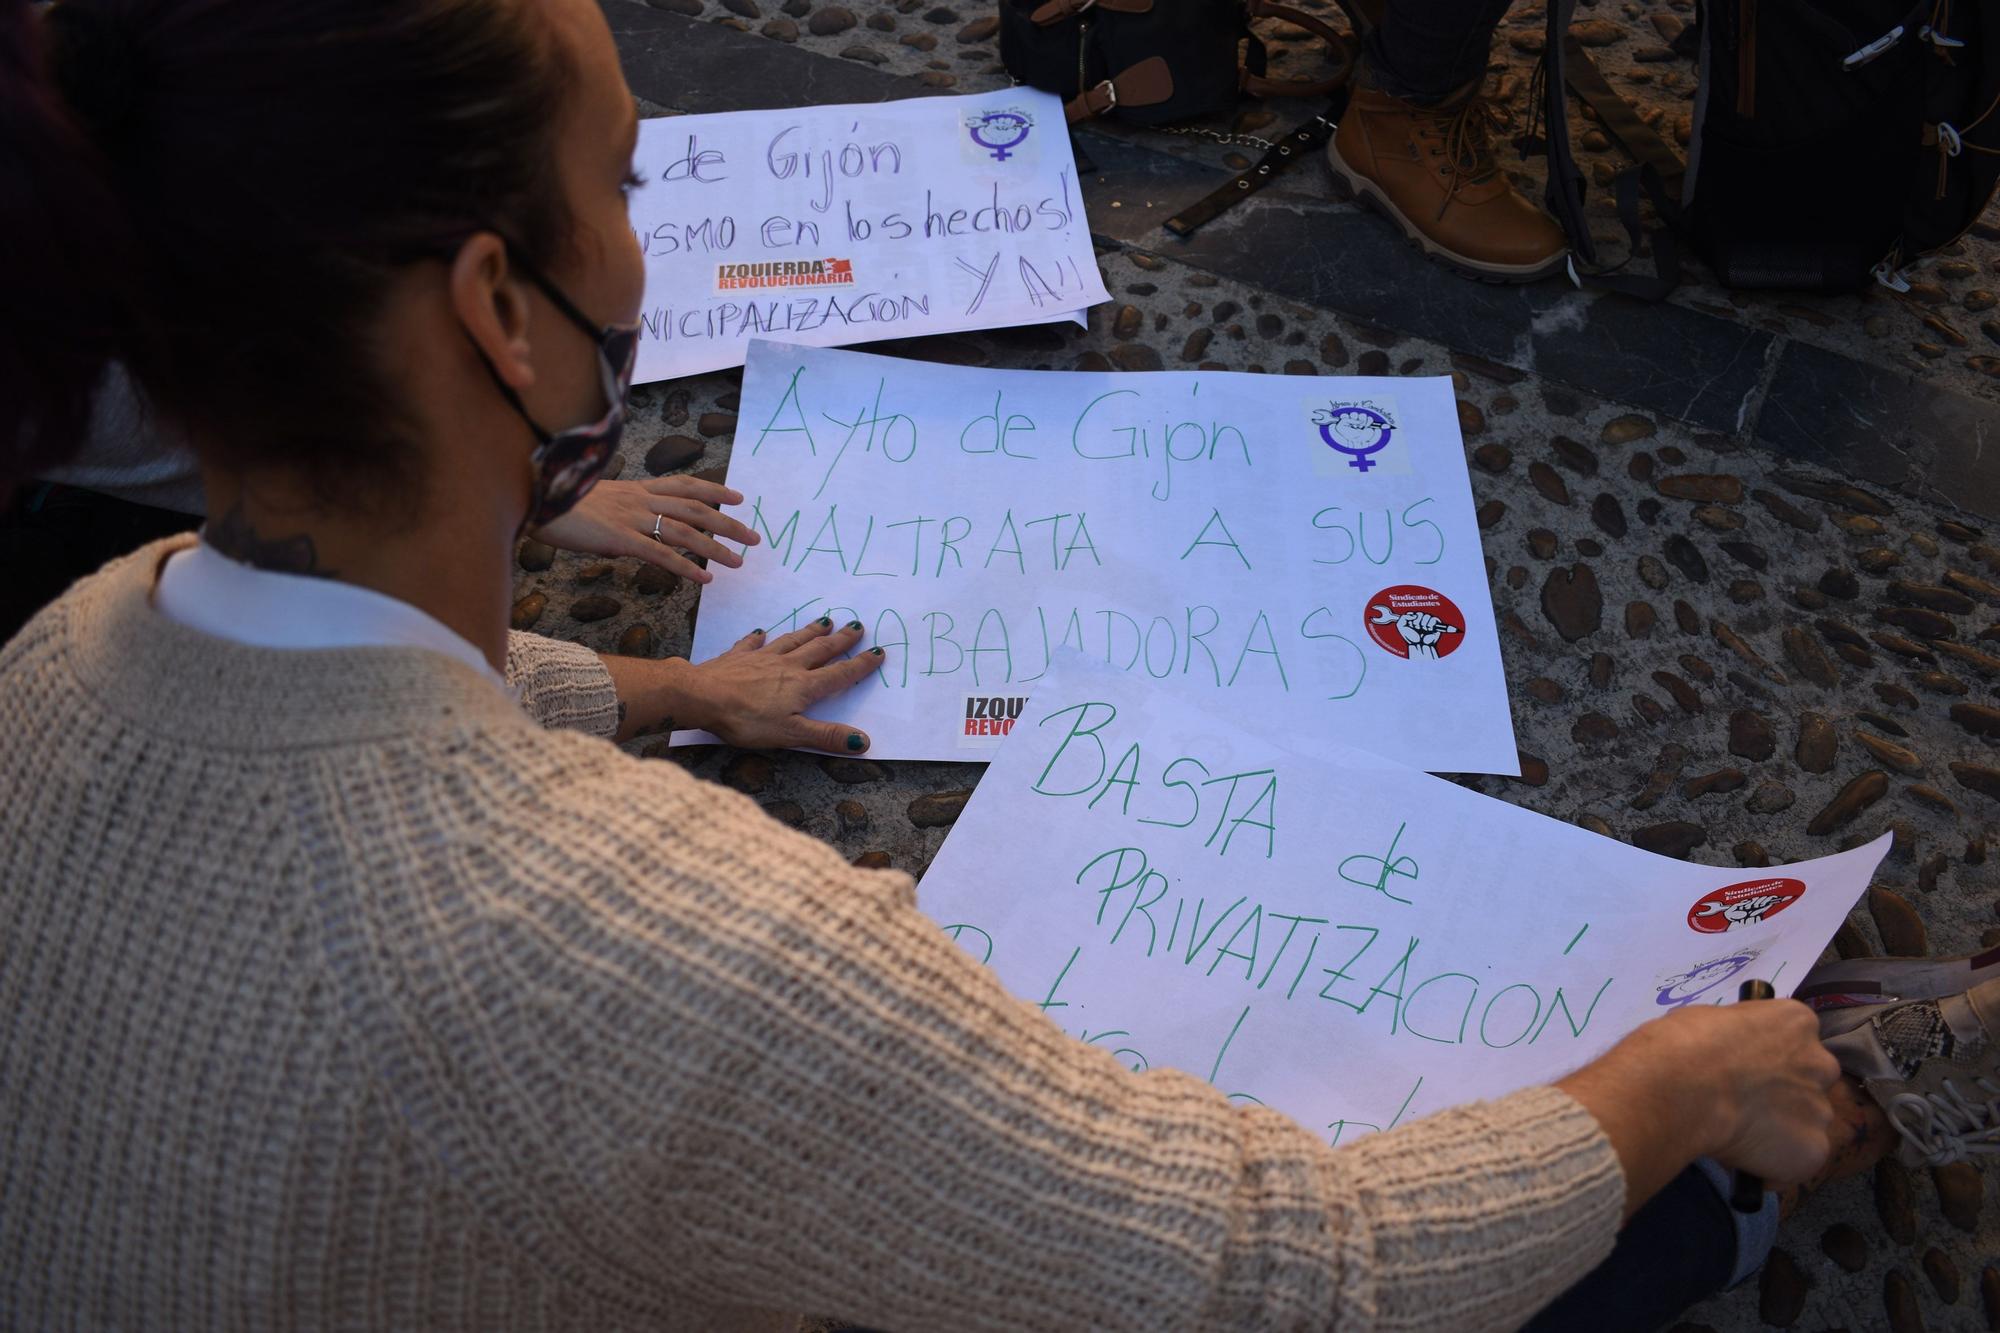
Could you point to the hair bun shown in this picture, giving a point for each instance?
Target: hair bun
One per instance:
(96, 60)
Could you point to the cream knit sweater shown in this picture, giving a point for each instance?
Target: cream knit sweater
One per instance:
(336, 993)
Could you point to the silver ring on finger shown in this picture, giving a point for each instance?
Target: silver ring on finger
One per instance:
(656, 528)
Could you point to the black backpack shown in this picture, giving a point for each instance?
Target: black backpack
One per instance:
(1833, 140)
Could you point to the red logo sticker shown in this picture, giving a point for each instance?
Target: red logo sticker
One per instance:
(785, 273)
(1412, 621)
(1750, 903)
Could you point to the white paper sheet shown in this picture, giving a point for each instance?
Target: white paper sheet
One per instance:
(1325, 931)
(845, 224)
(1215, 532)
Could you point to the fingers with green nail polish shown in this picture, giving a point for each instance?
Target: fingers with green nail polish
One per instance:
(759, 699)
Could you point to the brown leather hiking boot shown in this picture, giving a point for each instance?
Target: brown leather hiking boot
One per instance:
(1431, 170)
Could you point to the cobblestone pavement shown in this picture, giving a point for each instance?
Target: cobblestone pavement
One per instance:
(1749, 617)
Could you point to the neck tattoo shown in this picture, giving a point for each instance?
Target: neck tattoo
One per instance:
(232, 535)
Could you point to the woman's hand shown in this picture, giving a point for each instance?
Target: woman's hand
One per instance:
(1773, 1106)
(1745, 1084)
(755, 695)
(616, 518)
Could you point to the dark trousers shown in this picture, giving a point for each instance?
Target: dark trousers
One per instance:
(1426, 50)
(1677, 1250)
(51, 536)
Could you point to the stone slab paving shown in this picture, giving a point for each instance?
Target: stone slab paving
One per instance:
(1722, 642)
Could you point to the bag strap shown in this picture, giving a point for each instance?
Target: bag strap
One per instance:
(1567, 67)
(1620, 121)
(1666, 273)
(1257, 85)
(1302, 141)
(1549, 103)
(1145, 84)
(1659, 173)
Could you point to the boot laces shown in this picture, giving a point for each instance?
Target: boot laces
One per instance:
(1949, 1126)
(1462, 135)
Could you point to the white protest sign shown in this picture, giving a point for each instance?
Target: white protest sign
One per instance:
(1299, 551)
(1324, 931)
(845, 224)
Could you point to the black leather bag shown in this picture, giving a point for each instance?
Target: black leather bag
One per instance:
(1153, 61)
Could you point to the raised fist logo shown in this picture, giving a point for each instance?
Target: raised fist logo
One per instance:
(1353, 428)
(1751, 903)
(1413, 622)
(1748, 912)
(1420, 630)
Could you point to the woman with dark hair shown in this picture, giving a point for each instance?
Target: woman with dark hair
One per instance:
(335, 992)
(184, 289)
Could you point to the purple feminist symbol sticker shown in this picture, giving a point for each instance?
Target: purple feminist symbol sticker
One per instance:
(1000, 132)
(1355, 429)
(1695, 983)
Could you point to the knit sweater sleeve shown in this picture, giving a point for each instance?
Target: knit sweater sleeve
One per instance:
(679, 1052)
(562, 684)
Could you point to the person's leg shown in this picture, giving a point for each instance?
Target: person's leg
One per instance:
(50, 536)
(1415, 145)
(1426, 50)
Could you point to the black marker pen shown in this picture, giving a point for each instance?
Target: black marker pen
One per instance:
(1748, 1195)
